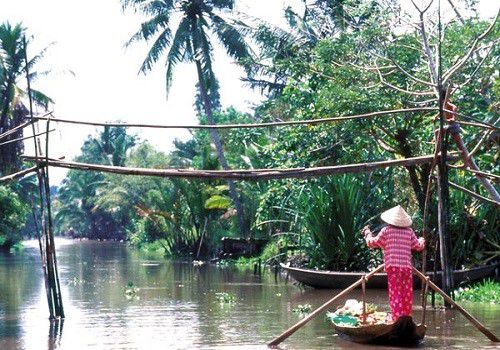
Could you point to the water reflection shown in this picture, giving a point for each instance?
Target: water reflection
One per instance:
(55, 334)
(175, 306)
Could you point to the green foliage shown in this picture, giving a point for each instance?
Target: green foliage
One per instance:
(334, 211)
(84, 208)
(13, 94)
(313, 69)
(487, 291)
(271, 251)
(13, 214)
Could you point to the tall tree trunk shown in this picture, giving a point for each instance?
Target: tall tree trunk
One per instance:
(220, 152)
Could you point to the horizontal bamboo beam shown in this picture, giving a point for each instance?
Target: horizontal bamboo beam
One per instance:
(253, 174)
(474, 194)
(19, 174)
(14, 130)
(243, 126)
(26, 137)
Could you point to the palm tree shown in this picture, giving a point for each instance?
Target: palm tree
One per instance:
(191, 42)
(12, 72)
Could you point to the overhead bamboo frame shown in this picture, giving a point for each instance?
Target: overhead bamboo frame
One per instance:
(19, 174)
(245, 126)
(249, 175)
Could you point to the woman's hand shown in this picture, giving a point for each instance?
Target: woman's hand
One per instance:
(366, 230)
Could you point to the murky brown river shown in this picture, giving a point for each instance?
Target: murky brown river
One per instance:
(176, 306)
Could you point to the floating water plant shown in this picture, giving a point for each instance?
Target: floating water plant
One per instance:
(131, 291)
(225, 298)
(302, 309)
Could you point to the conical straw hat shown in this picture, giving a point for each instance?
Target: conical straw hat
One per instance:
(397, 216)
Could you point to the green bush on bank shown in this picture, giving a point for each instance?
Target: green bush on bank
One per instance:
(484, 292)
(487, 291)
(13, 216)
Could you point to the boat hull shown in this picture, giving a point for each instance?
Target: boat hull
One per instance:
(404, 332)
(341, 280)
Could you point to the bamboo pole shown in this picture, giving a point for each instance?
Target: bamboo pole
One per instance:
(26, 137)
(437, 140)
(320, 309)
(442, 173)
(474, 194)
(480, 125)
(494, 177)
(467, 315)
(254, 174)
(245, 126)
(50, 271)
(17, 175)
(14, 130)
(59, 310)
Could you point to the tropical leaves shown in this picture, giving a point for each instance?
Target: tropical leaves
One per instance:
(13, 92)
(190, 40)
(334, 213)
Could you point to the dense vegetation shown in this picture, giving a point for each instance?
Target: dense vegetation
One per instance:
(15, 200)
(334, 59)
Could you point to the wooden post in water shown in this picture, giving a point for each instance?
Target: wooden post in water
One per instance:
(443, 204)
(46, 240)
(442, 177)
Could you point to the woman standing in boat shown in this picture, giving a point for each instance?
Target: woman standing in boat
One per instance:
(397, 240)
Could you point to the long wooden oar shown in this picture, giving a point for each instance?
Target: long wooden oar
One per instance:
(467, 315)
(322, 308)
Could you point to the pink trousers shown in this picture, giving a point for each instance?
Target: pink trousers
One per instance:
(400, 283)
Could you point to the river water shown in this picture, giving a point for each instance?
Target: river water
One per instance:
(176, 307)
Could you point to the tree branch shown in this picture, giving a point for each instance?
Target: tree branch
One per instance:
(425, 42)
(461, 62)
(474, 72)
(414, 93)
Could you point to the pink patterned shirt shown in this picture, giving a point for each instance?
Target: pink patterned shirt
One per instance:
(397, 243)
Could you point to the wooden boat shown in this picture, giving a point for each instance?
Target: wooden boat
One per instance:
(340, 280)
(403, 332)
